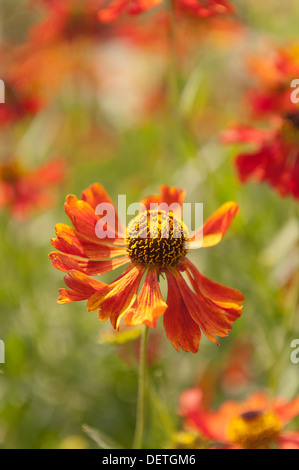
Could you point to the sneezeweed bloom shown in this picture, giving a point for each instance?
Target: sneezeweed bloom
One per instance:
(274, 75)
(256, 423)
(197, 8)
(209, 308)
(70, 20)
(19, 103)
(275, 157)
(24, 191)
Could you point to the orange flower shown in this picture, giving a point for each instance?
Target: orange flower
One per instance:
(256, 423)
(275, 158)
(69, 20)
(23, 191)
(208, 307)
(199, 8)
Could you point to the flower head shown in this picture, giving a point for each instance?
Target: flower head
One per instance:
(198, 8)
(276, 156)
(154, 244)
(23, 191)
(257, 422)
(69, 20)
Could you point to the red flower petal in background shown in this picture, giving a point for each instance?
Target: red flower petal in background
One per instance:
(25, 191)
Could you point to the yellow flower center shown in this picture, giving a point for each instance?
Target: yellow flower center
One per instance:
(157, 237)
(254, 429)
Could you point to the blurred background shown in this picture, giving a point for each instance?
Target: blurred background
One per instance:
(133, 104)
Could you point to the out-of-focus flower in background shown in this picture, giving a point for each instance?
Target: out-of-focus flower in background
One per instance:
(256, 423)
(69, 20)
(276, 158)
(199, 8)
(127, 344)
(24, 191)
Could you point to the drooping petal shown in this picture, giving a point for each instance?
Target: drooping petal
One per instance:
(181, 330)
(289, 440)
(286, 410)
(206, 9)
(66, 263)
(210, 424)
(81, 287)
(246, 134)
(215, 227)
(149, 305)
(210, 318)
(114, 300)
(230, 300)
(132, 7)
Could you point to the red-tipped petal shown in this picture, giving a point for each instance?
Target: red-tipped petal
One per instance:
(210, 318)
(181, 330)
(114, 300)
(69, 241)
(81, 287)
(286, 410)
(149, 305)
(225, 297)
(67, 263)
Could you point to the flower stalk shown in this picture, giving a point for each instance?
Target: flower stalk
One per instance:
(142, 379)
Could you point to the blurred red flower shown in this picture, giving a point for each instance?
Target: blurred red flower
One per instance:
(24, 191)
(256, 423)
(209, 307)
(69, 20)
(276, 157)
(199, 8)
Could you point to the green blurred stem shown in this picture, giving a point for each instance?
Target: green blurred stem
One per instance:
(142, 376)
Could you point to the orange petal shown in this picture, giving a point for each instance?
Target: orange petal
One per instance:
(211, 425)
(116, 298)
(71, 242)
(215, 227)
(286, 410)
(149, 305)
(84, 219)
(180, 328)
(168, 195)
(66, 263)
(81, 287)
(289, 440)
(229, 299)
(95, 195)
(210, 318)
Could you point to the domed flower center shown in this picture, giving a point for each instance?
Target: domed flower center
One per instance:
(291, 127)
(157, 237)
(254, 429)
(293, 118)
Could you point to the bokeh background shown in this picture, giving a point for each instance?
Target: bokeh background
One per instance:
(125, 108)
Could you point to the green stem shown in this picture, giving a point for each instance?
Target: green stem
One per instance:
(139, 428)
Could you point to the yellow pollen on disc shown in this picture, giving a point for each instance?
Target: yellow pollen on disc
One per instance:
(254, 430)
(157, 237)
